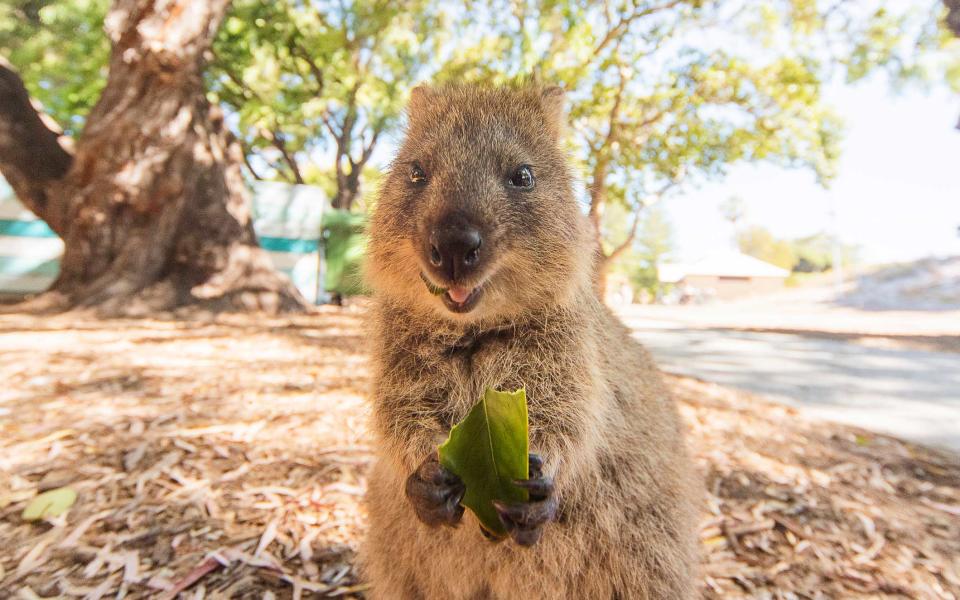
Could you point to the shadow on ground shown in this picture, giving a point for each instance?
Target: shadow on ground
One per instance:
(229, 457)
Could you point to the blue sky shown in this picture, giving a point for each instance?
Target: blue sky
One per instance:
(897, 194)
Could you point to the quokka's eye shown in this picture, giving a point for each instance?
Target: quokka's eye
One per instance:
(417, 174)
(522, 178)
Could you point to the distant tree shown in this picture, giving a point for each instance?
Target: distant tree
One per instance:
(952, 22)
(733, 210)
(813, 253)
(148, 198)
(760, 243)
(655, 243)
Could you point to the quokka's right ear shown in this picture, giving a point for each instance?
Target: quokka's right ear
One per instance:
(421, 97)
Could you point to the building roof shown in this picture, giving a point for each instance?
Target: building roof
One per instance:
(721, 264)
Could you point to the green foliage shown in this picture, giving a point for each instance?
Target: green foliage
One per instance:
(909, 45)
(60, 50)
(310, 87)
(320, 81)
(344, 244)
(661, 94)
(488, 450)
(760, 243)
(652, 245)
(811, 254)
(814, 253)
(656, 95)
(667, 94)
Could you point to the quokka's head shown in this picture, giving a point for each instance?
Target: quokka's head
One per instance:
(476, 219)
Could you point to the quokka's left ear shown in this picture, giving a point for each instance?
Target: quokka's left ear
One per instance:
(554, 101)
(421, 103)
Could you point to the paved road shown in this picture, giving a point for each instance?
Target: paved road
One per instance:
(912, 394)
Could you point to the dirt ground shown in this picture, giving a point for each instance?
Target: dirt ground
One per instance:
(227, 458)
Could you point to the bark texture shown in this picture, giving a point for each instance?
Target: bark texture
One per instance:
(953, 15)
(953, 23)
(31, 156)
(152, 207)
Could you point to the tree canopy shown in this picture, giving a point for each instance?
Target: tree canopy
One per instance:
(662, 94)
(61, 52)
(320, 82)
(666, 94)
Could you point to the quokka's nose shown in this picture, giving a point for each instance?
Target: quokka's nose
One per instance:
(454, 250)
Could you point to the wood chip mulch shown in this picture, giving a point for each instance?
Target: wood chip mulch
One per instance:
(226, 458)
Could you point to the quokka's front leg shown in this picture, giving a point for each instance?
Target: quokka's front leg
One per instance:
(525, 520)
(435, 493)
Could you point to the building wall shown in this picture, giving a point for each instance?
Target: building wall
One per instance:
(726, 288)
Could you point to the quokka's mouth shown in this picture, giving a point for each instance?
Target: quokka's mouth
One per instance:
(462, 300)
(456, 298)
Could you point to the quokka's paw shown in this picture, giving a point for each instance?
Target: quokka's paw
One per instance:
(525, 520)
(435, 494)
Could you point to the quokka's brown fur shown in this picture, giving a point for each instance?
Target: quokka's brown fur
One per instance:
(600, 415)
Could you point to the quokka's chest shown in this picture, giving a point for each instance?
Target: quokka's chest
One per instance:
(454, 377)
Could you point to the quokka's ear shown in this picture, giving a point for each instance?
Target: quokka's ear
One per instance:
(421, 97)
(554, 101)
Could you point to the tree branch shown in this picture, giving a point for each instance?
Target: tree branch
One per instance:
(368, 149)
(245, 92)
(274, 137)
(653, 198)
(31, 155)
(329, 126)
(953, 16)
(623, 246)
(598, 178)
(278, 142)
(297, 50)
(952, 21)
(245, 151)
(617, 30)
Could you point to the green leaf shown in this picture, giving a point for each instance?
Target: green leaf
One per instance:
(488, 450)
(50, 504)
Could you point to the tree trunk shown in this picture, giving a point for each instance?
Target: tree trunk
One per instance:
(953, 16)
(31, 156)
(953, 22)
(598, 194)
(348, 190)
(153, 210)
